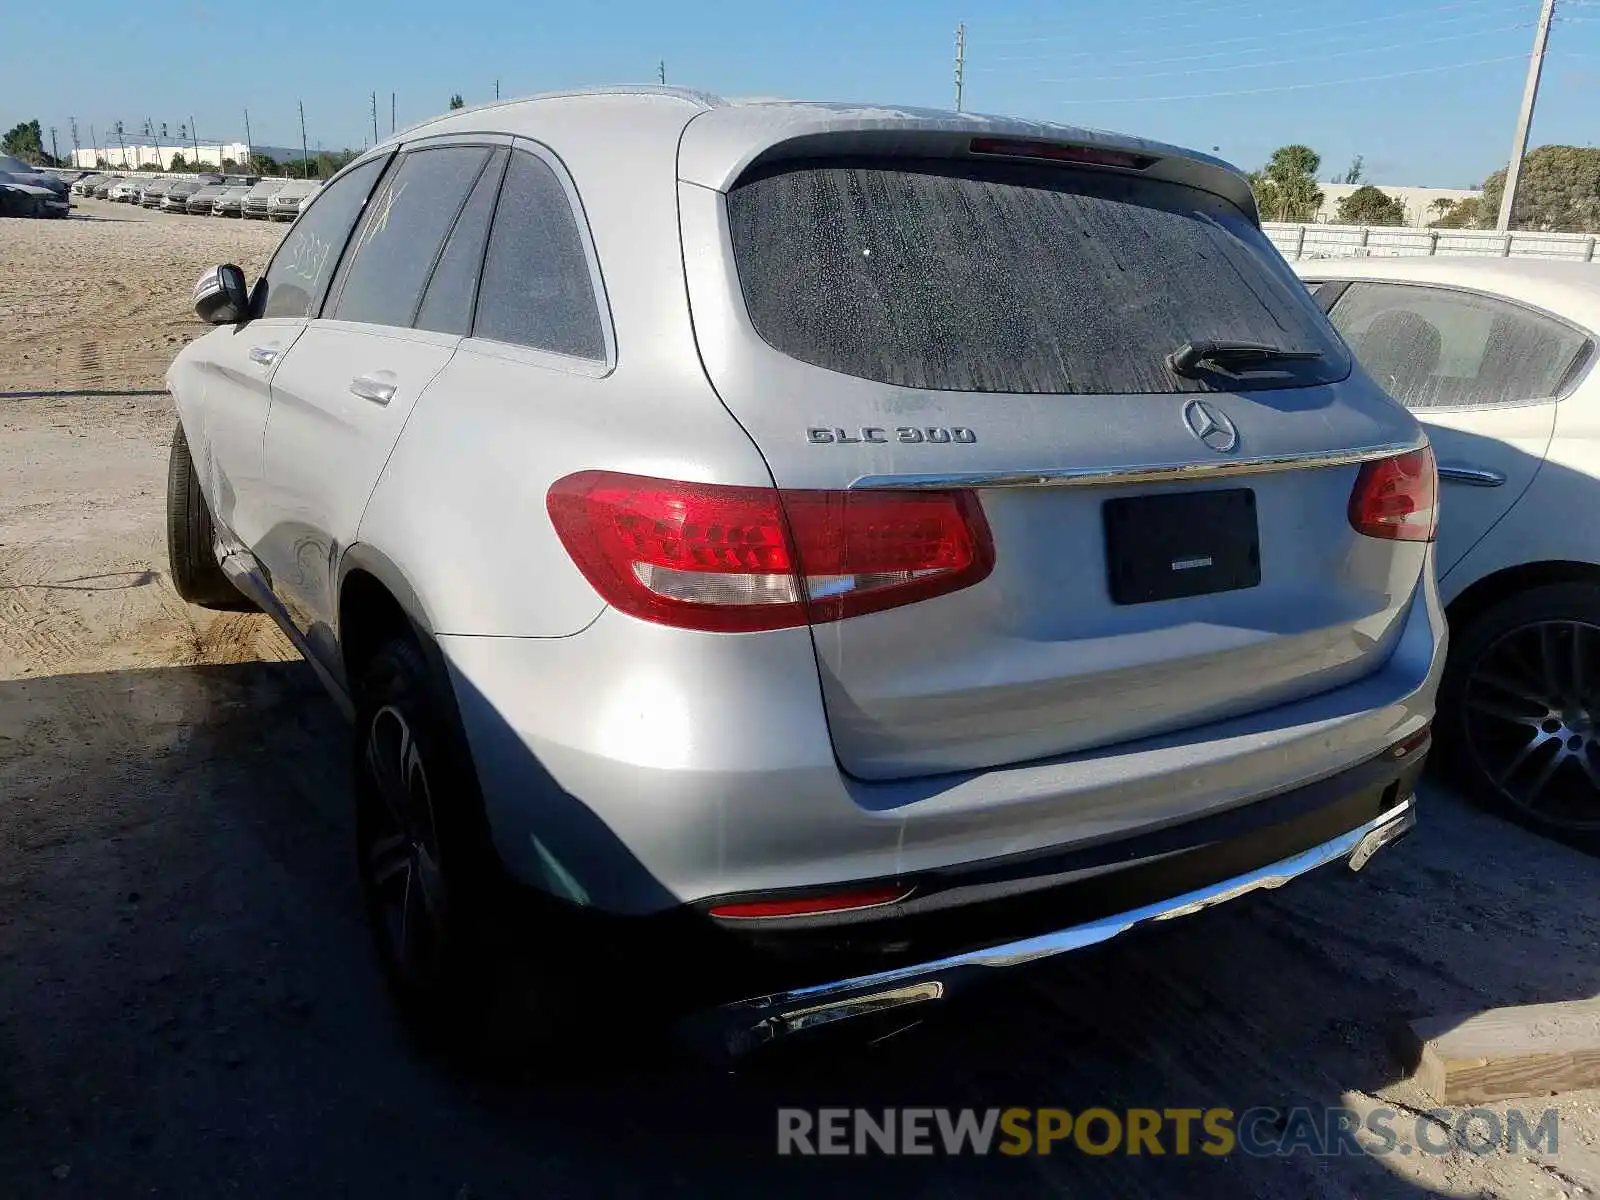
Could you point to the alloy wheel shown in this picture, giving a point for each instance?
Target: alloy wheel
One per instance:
(400, 848)
(1531, 710)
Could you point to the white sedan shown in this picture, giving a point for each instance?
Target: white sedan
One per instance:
(1496, 358)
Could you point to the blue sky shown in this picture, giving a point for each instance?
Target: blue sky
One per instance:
(1386, 79)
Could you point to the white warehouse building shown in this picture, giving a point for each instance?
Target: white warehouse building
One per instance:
(136, 154)
(1419, 202)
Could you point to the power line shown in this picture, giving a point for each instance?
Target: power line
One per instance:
(1008, 22)
(1262, 15)
(1290, 62)
(1145, 20)
(1296, 87)
(1272, 41)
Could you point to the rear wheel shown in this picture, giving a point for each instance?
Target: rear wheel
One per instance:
(467, 977)
(1520, 710)
(196, 575)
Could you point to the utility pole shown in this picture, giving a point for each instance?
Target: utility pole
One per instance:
(123, 142)
(305, 153)
(661, 72)
(72, 123)
(194, 138)
(961, 60)
(1530, 93)
(497, 89)
(94, 144)
(54, 153)
(249, 146)
(374, 118)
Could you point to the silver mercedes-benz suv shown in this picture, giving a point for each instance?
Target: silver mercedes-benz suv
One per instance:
(840, 548)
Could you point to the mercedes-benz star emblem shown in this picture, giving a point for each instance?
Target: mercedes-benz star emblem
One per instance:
(1210, 425)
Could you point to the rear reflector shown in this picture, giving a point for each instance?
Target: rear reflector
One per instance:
(1094, 156)
(810, 906)
(1412, 744)
(1397, 498)
(740, 559)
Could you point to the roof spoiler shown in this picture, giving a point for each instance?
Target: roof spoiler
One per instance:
(722, 145)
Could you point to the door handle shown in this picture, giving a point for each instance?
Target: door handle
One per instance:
(1471, 476)
(377, 390)
(264, 356)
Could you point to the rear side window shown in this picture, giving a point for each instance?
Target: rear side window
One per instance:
(298, 278)
(1435, 347)
(447, 304)
(537, 289)
(988, 278)
(403, 232)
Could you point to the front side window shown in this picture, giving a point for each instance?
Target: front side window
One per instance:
(298, 278)
(977, 277)
(402, 233)
(1432, 347)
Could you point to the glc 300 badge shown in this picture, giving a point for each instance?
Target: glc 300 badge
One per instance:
(879, 435)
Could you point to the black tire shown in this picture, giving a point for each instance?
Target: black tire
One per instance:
(1519, 711)
(196, 575)
(470, 959)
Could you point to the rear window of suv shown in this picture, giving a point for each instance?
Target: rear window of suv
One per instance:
(964, 276)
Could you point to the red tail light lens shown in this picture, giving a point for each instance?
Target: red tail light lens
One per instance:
(740, 559)
(1397, 498)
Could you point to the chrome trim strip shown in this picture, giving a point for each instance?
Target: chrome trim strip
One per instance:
(1471, 476)
(1208, 468)
(746, 1024)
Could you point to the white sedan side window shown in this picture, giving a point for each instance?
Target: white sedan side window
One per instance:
(1435, 347)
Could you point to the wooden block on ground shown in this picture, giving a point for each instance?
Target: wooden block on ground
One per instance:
(1533, 1050)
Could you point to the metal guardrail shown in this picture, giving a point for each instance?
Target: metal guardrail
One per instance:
(1358, 241)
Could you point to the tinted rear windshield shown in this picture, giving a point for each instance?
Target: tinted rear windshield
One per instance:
(989, 278)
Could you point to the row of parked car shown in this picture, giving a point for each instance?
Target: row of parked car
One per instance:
(211, 195)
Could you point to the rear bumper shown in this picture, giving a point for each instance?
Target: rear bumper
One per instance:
(633, 768)
(747, 1024)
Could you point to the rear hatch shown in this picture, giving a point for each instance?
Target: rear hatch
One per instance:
(922, 311)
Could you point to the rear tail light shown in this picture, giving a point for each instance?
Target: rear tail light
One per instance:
(740, 559)
(1397, 498)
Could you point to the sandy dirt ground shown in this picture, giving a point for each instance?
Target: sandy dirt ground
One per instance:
(188, 1006)
(102, 299)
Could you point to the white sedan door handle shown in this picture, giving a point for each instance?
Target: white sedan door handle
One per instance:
(264, 356)
(1471, 476)
(377, 390)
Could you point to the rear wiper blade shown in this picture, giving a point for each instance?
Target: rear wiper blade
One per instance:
(1188, 358)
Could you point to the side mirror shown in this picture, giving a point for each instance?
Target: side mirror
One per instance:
(220, 298)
